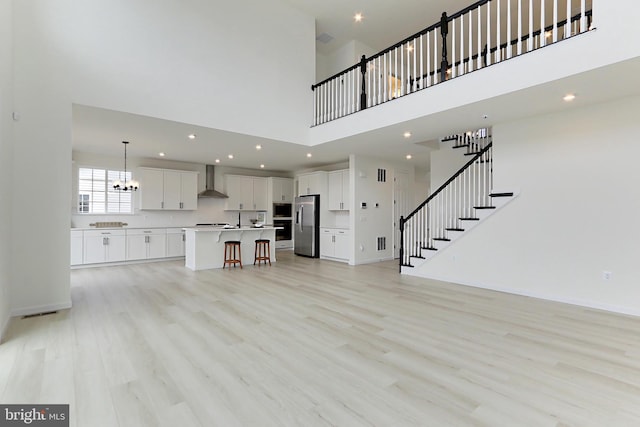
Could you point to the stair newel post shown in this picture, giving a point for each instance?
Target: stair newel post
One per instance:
(444, 30)
(363, 91)
(401, 242)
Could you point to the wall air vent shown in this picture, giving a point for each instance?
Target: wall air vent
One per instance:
(382, 175)
(382, 243)
(324, 38)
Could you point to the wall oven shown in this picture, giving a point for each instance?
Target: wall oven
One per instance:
(282, 210)
(285, 233)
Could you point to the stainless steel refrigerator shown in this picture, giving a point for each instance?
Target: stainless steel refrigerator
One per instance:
(307, 226)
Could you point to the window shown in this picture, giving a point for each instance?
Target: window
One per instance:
(96, 193)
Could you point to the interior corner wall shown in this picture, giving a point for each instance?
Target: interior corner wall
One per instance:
(445, 162)
(41, 158)
(222, 65)
(6, 154)
(344, 57)
(367, 224)
(577, 174)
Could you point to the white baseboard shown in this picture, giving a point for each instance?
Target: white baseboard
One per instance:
(26, 311)
(631, 311)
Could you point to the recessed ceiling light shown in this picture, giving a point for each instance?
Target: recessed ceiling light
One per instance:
(569, 97)
(258, 147)
(358, 17)
(308, 154)
(161, 154)
(192, 136)
(261, 166)
(230, 156)
(407, 134)
(409, 156)
(217, 160)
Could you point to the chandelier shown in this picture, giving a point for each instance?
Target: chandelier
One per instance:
(131, 185)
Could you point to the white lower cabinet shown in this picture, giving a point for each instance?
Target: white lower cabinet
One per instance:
(77, 244)
(334, 243)
(175, 242)
(146, 244)
(104, 246)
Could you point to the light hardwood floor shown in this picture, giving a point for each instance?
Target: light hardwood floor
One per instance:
(317, 343)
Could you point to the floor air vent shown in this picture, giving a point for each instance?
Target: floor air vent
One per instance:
(39, 314)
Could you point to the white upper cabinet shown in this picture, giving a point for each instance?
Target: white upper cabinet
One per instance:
(246, 193)
(338, 191)
(162, 189)
(312, 183)
(281, 190)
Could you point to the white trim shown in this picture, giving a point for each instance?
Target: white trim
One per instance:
(631, 311)
(40, 309)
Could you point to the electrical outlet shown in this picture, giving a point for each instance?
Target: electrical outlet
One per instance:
(606, 275)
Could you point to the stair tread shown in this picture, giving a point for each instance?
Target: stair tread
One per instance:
(469, 219)
(484, 207)
(460, 146)
(407, 265)
(429, 248)
(450, 138)
(501, 195)
(416, 256)
(475, 153)
(441, 239)
(454, 229)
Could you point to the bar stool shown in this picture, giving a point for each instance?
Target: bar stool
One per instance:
(262, 251)
(230, 253)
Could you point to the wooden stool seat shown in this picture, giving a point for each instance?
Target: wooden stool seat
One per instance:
(262, 251)
(230, 256)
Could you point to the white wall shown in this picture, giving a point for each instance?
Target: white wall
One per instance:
(342, 58)
(373, 222)
(578, 178)
(41, 158)
(6, 154)
(422, 186)
(445, 162)
(219, 64)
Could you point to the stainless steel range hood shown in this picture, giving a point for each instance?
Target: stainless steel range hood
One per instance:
(209, 185)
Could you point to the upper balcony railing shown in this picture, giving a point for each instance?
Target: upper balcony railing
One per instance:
(485, 33)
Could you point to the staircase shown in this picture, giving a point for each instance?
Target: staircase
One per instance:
(460, 204)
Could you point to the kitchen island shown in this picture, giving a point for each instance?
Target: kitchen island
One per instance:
(204, 246)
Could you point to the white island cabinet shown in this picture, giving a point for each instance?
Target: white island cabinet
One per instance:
(205, 245)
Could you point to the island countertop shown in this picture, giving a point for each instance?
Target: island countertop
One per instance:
(204, 245)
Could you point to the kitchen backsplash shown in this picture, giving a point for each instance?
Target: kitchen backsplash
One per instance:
(209, 210)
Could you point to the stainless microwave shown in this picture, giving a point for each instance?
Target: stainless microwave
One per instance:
(282, 210)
